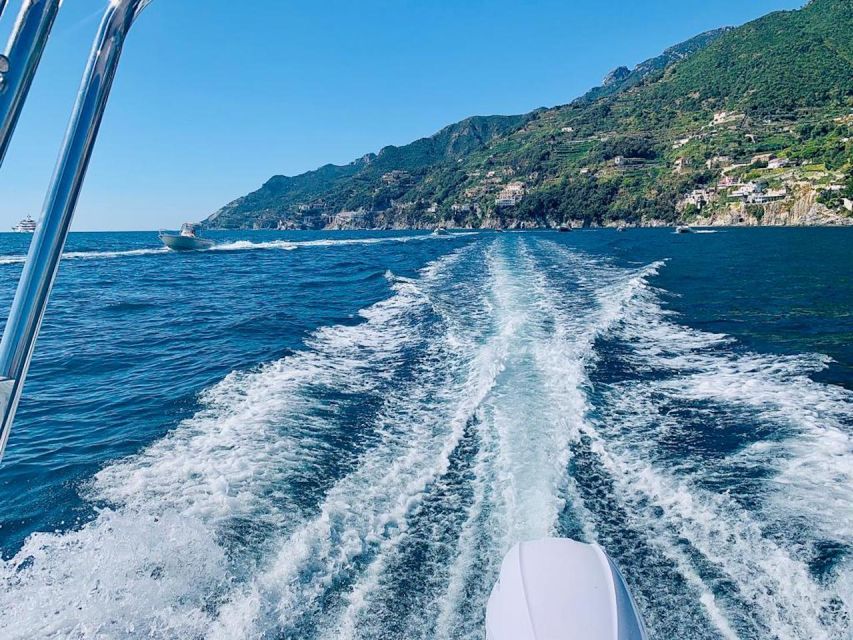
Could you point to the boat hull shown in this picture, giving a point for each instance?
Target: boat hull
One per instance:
(185, 243)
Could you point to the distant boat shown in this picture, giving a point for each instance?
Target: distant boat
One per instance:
(621, 227)
(186, 240)
(564, 228)
(683, 228)
(440, 231)
(27, 225)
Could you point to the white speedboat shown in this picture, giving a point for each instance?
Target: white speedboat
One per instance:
(440, 231)
(187, 239)
(562, 590)
(683, 228)
(27, 225)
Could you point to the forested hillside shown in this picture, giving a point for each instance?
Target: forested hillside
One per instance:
(750, 125)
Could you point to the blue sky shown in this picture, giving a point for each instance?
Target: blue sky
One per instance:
(215, 96)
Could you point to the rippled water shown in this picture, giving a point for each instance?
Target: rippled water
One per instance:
(339, 435)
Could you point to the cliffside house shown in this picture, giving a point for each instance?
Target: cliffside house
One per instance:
(510, 195)
(682, 164)
(771, 195)
(727, 182)
(744, 191)
(762, 157)
(347, 218)
(725, 117)
(848, 204)
(395, 176)
(719, 162)
(622, 161)
(778, 163)
(698, 198)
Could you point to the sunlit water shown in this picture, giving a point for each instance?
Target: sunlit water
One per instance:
(340, 435)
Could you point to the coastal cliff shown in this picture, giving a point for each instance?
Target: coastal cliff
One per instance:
(742, 126)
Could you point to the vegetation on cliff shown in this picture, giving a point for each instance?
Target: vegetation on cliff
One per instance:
(727, 122)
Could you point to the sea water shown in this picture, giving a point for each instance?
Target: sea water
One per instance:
(339, 435)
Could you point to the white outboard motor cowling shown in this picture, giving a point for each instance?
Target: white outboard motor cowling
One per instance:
(558, 589)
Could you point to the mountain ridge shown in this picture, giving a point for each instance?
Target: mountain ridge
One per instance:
(632, 150)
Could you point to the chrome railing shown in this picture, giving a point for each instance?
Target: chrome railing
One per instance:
(20, 61)
(28, 307)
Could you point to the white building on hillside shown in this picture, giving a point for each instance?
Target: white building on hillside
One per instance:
(510, 195)
(724, 117)
(771, 195)
(744, 191)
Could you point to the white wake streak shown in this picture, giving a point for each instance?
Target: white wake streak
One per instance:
(771, 579)
(365, 516)
(91, 255)
(245, 245)
(155, 563)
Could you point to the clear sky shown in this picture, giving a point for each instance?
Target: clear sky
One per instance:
(215, 96)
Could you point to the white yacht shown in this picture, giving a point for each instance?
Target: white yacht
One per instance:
(27, 225)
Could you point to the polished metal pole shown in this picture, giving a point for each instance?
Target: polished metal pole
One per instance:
(21, 59)
(25, 317)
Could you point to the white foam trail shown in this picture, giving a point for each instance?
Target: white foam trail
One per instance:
(245, 245)
(520, 483)
(520, 466)
(503, 359)
(776, 588)
(365, 516)
(155, 563)
(775, 584)
(508, 319)
(289, 245)
(248, 245)
(90, 255)
(813, 466)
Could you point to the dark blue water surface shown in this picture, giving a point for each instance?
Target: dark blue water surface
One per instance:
(339, 435)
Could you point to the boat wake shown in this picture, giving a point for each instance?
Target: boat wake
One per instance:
(289, 245)
(368, 485)
(90, 255)
(243, 245)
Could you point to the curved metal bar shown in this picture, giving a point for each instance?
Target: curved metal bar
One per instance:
(23, 53)
(25, 317)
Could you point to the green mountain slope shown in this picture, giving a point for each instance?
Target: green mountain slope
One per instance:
(624, 78)
(687, 135)
(360, 183)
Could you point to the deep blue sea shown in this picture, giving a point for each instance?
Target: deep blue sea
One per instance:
(339, 435)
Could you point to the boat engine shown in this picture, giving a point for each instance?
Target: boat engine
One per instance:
(559, 589)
